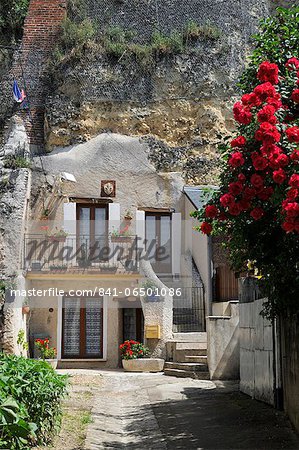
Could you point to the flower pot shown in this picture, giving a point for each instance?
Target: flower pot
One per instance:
(143, 365)
(25, 309)
(121, 239)
(152, 298)
(57, 239)
(53, 362)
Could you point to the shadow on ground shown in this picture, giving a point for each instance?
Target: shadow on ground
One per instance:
(207, 419)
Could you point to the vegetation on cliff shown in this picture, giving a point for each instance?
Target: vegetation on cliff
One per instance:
(12, 16)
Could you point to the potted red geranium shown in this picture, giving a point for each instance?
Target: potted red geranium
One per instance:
(47, 353)
(134, 358)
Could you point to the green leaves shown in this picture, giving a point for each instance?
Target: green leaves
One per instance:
(30, 398)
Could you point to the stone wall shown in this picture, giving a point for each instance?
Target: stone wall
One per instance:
(14, 196)
(256, 352)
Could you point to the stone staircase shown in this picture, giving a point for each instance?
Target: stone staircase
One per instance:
(187, 354)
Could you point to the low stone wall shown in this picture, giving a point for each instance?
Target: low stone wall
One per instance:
(290, 358)
(256, 352)
(223, 343)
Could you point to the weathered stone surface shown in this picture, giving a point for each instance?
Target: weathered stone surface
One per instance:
(143, 365)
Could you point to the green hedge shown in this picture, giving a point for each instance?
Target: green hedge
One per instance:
(30, 402)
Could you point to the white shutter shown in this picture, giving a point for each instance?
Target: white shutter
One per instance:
(70, 225)
(114, 216)
(140, 230)
(176, 243)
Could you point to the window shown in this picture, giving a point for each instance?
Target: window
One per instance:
(92, 230)
(82, 327)
(158, 240)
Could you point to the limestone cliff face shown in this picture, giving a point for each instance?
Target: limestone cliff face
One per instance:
(180, 103)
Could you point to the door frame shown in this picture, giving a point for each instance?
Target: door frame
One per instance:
(60, 335)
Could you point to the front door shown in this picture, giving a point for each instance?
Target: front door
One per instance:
(82, 328)
(158, 241)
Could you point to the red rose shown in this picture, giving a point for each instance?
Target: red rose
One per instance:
(275, 101)
(241, 114)
(295, 96)
(234, 209)
(226, 200)
(257, 213)
(244, 204)
(266, 114)
(206, 228)
(235, 188)
(222, 216)
(292, 64)
(294, 181)
(267, 133)
(257, 181)
(249, 193)
(236, 159)
(251, 100)
(265, 90)
(292, 194)
(258, 161)
(240, 141)
(293, 134)
(265, 193)
(279, 176)
(288, 226)
(295, 155)
(211, 211)
(268, 72)
(282, 160)
(292, 209)
(241, 177)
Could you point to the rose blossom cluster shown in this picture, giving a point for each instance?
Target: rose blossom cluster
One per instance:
(263, 165)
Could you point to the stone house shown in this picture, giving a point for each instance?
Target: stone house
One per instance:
(127, 229)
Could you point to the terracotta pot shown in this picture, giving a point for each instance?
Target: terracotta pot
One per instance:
(143, 365)
(25, 309)
(53, 362)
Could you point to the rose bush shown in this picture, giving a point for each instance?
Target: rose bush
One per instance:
(257, 205)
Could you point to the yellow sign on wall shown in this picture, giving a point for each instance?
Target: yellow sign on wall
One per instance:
(152, 331)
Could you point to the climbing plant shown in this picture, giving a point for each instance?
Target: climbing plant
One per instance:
(12, 16)
(257, 204)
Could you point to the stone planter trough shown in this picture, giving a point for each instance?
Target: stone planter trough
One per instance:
(143, 365)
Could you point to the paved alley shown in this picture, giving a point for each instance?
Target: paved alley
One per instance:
(153, 411)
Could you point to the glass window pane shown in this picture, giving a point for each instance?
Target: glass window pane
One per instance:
(71, 327)
(165, 224)
(100, 223)
(150, 230)
(93, 326)
(84, 222)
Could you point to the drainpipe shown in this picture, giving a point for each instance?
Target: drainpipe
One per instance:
(277, 365)
(210, 277)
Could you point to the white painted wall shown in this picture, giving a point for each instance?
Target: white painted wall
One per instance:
(256, 353)
(198, 245)
(223, 342)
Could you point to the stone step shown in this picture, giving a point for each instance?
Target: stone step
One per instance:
(191, 367)
(190, 345)
(196, 359)
(190, 337)
(181, 355)
(187, 374)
